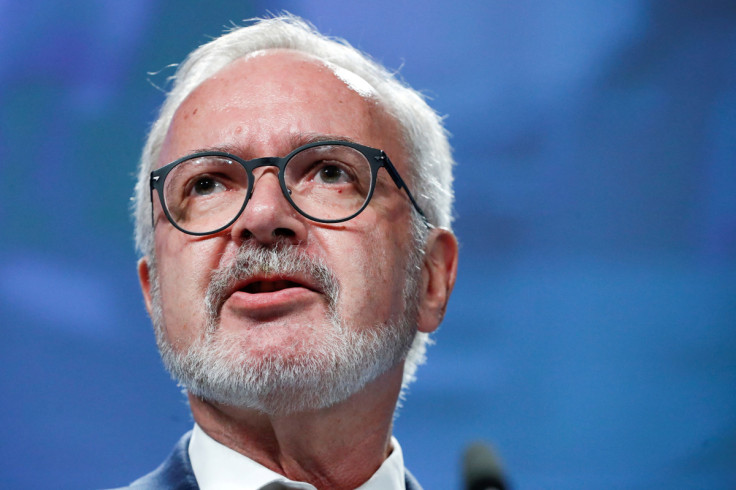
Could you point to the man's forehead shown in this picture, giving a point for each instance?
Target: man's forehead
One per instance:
(277, 64)
(261, 77)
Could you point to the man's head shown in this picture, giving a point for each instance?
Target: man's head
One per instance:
(278, 312)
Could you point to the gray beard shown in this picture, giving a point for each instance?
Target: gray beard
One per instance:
(324, 366)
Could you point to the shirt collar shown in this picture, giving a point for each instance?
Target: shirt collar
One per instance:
(218, 467)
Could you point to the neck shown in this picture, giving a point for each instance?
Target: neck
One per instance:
(337, 447)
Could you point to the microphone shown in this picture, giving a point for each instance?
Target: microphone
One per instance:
(482, 469)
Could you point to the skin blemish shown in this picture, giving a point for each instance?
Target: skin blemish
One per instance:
(191, 114)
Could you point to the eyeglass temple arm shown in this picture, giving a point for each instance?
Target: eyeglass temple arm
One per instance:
(401, 185)
(152, 185)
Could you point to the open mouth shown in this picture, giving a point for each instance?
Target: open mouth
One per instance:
(270, 286)
(263, 295)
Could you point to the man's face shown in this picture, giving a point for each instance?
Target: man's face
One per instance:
(268, 315)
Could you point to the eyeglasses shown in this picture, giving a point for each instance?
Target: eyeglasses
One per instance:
(327, 182)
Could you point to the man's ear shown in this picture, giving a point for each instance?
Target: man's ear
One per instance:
(438, 278)
(144, 276)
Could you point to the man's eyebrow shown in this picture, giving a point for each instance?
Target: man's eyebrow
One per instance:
(301, 139)
(296, 140)
(237, 150)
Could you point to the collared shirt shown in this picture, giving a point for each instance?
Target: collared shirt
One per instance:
(217, 467)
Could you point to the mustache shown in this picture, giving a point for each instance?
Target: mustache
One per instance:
(282, 258)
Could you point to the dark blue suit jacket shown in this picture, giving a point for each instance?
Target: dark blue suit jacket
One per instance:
(176, 472)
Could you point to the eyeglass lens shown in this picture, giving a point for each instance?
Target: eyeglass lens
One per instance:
(325, 182)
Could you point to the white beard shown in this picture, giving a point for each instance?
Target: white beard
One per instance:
(324, 365)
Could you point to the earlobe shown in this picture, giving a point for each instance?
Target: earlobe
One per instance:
(438, 278)
(144, 276)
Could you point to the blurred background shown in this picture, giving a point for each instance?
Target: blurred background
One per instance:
(592, 334)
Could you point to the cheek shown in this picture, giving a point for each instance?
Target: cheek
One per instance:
(371, 271)
(183, 273)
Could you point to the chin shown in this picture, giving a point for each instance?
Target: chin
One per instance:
(287, 374)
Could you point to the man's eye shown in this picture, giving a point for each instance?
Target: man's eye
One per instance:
(332, 174)
(206, 185)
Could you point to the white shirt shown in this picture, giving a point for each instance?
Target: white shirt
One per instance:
(217, 467)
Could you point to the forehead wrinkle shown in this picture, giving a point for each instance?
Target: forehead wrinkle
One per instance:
(245, 151)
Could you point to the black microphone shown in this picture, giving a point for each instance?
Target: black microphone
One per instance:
(482, 469)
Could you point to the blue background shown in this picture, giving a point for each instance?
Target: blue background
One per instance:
(591, 337)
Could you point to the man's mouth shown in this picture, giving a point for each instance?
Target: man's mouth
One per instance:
(270, 286)
(262, 282)
(264, 295)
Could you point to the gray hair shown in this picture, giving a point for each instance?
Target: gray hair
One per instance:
(424, 136)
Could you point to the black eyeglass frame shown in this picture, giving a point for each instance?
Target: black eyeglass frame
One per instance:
(376, 158)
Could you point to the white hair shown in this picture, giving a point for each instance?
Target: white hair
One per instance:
(423, 134)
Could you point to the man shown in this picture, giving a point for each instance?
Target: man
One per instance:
(292, 213)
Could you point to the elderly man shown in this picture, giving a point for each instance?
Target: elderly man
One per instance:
(292, 213)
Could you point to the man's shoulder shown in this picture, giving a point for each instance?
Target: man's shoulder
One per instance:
(175, 473)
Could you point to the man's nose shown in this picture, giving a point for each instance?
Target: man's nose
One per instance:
(268, 216)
